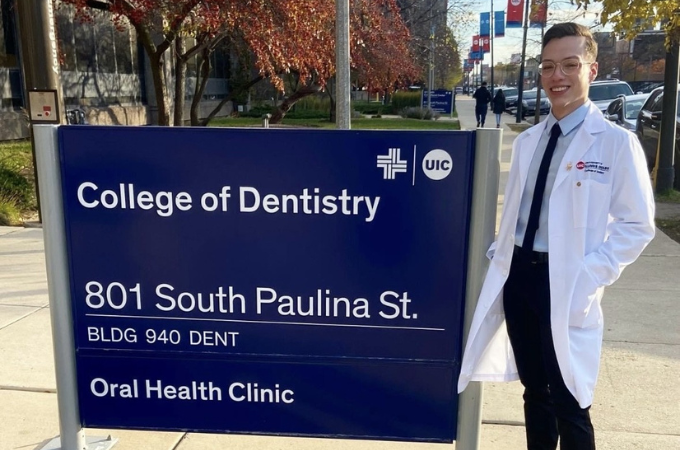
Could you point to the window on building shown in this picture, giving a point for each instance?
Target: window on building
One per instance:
(86, 58)
(220, 63)
(67, 49)
(104, 44)
(124, 53)
(8, 37)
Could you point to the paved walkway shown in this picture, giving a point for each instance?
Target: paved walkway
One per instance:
(637, 402)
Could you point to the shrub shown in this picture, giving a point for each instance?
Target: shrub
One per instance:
(406, 99)
(319, 103)
(419, 113)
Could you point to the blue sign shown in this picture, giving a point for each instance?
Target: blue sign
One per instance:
(440, 99)
(268, 281)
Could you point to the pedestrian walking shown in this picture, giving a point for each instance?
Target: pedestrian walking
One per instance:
(482, 98)
(499, 106)
(578, 209)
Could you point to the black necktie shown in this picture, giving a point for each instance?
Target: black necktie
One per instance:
(537, 200)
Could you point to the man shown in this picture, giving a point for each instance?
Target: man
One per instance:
(578, 209)
(482, 98)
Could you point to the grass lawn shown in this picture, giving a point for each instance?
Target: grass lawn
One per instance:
(17, 199)
(357, 124)
(671, 196)
(15, 149)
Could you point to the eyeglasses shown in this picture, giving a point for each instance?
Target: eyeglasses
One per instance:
(568, 67)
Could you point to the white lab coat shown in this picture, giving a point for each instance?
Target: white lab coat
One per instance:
(600, 219)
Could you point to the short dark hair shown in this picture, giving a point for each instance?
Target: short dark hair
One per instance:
(566, 29)
(483, 83)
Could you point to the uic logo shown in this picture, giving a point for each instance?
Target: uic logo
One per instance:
(437, 164)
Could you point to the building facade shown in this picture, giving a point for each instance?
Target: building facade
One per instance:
(104, 73)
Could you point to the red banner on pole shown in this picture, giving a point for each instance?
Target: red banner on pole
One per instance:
(475, 43)
(486, 44)
(515, 14)
(539, 13)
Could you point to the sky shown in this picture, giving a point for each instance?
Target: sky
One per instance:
(558, 11)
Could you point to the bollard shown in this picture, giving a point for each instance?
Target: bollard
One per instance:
(265, 120)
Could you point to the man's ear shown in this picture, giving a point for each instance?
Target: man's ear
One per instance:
(593, 71)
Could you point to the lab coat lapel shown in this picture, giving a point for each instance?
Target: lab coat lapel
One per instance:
(533, 136)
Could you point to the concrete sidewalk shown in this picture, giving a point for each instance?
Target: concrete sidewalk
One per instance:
(637, 402)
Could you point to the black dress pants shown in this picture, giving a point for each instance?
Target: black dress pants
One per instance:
(550, 410)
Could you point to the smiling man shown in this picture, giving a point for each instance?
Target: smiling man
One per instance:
(578, 209)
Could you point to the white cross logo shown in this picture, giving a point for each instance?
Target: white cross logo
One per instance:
(391, 164)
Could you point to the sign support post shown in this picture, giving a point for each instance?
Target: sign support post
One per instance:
(486, 176)
(72, 436)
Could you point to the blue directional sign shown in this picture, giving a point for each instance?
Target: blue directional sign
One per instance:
(292, 282)
(441, 100)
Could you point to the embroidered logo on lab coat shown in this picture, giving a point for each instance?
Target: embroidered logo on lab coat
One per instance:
(592, 166)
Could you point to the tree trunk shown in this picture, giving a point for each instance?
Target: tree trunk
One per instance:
(330, 88)
(180, 81)
(288, 103)
(202, 76)
(333, 113)
(229, 97)
(158, 76)
(537, 113)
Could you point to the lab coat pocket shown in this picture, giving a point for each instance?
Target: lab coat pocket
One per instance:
(590, 198)
(585, 310)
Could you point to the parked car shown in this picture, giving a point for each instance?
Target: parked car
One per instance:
(530, 106)
(602, 93)
(644, 87)
(624, 110)
(510, 97)
(528, 103)
(648, 127)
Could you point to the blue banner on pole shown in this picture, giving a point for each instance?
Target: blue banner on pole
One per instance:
(484, 24)
(289, 282)
(499, 23)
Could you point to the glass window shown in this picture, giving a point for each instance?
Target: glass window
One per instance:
(106, 56)
(8, 36)
(650, 100)
(633, 108)
(657, 104)
(84, 43)
(620, 89)
(597, 93)
(220, 63)
(66, 38)
(123, 50)
(613, 107)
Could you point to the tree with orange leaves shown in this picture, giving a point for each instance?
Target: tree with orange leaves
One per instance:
(283, 36)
